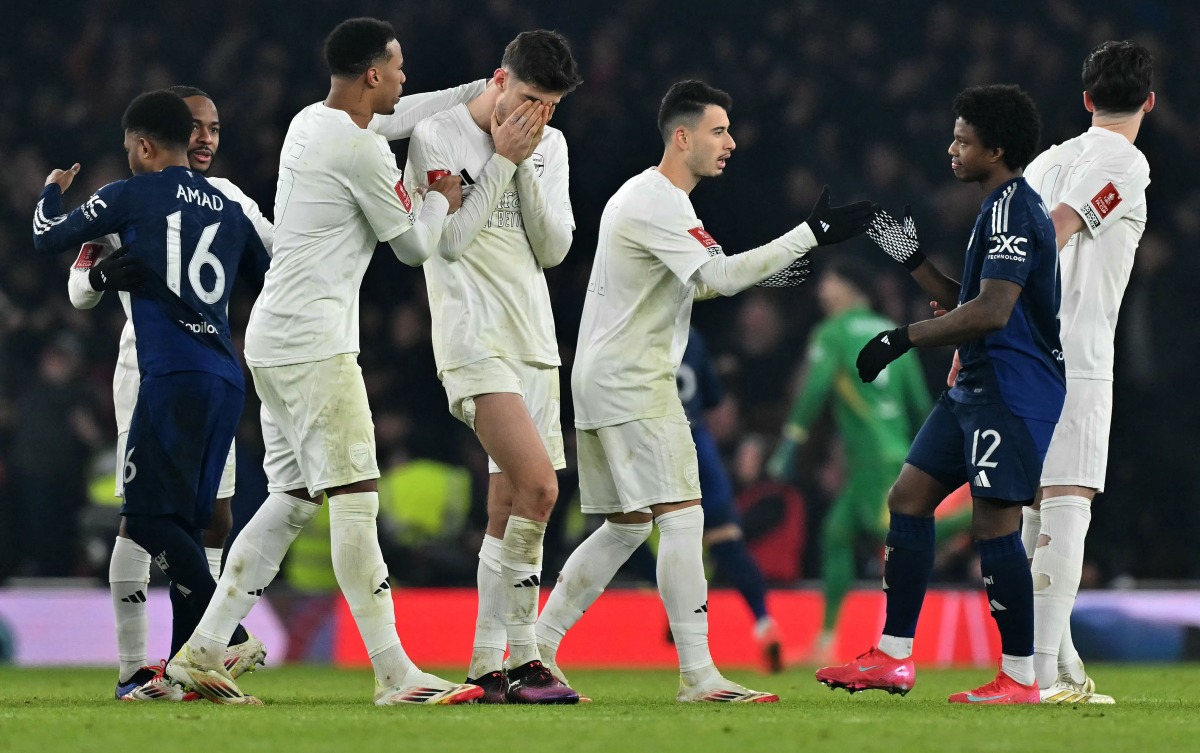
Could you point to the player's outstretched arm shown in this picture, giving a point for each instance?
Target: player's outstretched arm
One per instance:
(420, 241)
(414, 108)
(55, 232)
(899, 241)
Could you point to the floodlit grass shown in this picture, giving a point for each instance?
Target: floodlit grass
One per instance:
(310, 709)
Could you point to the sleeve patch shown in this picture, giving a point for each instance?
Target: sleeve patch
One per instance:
(87, 256)
(1106, 200)
(402, 194)
(700, 234)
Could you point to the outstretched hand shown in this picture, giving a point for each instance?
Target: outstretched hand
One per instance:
(831, 224)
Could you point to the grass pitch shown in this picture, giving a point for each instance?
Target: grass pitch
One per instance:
(319, 709)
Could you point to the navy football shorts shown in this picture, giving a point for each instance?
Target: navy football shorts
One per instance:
(716, 490)
(998, 453)
(179, 438)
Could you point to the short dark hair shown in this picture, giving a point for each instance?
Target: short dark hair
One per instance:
(685, 102)
(1004, 117)
(160, 116)
(183, 91)
(1118, 76)
(355, 44)
(543, 59)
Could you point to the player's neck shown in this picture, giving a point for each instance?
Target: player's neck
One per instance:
(1125, 125)
(350, 99)
(998, 178)
(678, 173)
(483, 108)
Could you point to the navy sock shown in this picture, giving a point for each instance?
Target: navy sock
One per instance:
(908, 562)
(735, 562)
(178, 551)
(1009, 584)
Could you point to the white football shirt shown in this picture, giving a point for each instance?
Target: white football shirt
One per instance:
(339, 194)
(639, 304)
(1103, 177)
(493, 301)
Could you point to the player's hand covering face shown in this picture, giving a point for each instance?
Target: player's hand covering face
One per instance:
(515, 136)
(835, 224)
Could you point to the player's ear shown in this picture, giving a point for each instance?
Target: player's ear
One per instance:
(1088, 104)
(997, 154)
(501, 78)
(372, 77)
(681, 137)
(1149, 104)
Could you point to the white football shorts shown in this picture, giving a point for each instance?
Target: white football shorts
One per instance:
(537, 385)
(316, 424)
(1078, 454)
(631, 466)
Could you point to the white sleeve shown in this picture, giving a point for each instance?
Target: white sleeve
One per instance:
(378, 188)
(728, 275)
(546, 206)
(414, 108)
(1108, 189)
(426, 152)
(417, 245)
(79, 288)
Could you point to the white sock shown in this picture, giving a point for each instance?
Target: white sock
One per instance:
(683, 588)
(362, 575)
(1069, 663)
(896, 646)
(491, 634)
(214, 560)
(521, 571)
(128, 576)
(1020, 668)
(583, 578)
(254, 560)
(1031, 528)
(1057, 568)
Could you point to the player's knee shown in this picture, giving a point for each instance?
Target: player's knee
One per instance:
(219, 526)
(991, 521)
(541, 494)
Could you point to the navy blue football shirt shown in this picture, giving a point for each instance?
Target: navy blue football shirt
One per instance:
(1020, 365)
(699, 387)
(193, 239)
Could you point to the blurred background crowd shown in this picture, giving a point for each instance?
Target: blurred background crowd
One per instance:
(856, 95)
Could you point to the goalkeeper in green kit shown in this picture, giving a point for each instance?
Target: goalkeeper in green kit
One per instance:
(877, 422)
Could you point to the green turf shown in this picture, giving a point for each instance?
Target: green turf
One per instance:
(313, 709)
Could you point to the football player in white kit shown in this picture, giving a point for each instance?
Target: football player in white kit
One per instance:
(98, 269)
(339, 194)
(637, 460)
(1095, 185)
(493, 332)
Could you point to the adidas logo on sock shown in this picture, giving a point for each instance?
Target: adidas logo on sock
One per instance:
(135, 598)
(384, 586)
(531, 582)
(702, 610)
(256, 592)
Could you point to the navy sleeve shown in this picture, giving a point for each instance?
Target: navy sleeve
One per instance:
(101, 214)
(1009, 254)
(255, 261)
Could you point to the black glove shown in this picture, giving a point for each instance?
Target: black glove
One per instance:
(880, 351)
(118, 272)
(896, 240)
(836, 224)
(790, 276)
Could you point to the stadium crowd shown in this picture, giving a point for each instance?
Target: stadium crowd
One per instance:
(858, 93)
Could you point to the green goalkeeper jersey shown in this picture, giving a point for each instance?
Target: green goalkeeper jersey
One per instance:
(877, 421)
